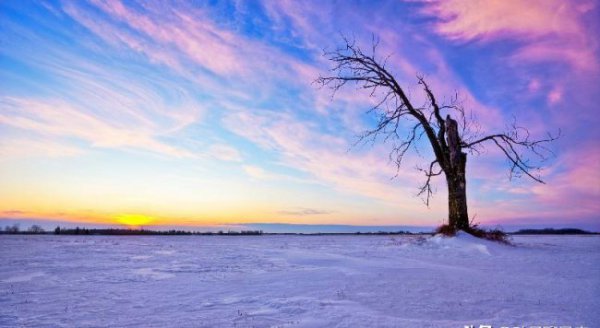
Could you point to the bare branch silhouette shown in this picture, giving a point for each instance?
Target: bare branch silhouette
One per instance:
(450, 139)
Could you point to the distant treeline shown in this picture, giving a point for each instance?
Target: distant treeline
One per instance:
(550, 231)
(14, 229)
(85, 231)
(36, 229)
(374, 233)
(144, 232)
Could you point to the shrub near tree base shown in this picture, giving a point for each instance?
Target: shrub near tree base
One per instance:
(492, 234)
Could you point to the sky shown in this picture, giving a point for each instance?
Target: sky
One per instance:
(204, 113)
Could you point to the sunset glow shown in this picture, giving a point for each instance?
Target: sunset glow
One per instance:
(134, 220)
(142, 113)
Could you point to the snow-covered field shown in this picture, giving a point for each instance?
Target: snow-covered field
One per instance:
(298, 281)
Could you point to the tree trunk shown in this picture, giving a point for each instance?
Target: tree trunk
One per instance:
(458, 216)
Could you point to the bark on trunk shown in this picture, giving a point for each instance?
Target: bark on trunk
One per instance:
(458, 216)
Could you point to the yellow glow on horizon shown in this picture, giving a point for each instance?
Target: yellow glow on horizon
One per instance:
(180, 210)
(134, 220)
(220, 214)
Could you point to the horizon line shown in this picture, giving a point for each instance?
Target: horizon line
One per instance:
(278, 227)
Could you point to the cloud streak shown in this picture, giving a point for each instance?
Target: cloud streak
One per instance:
(548, 30)
(304, 212)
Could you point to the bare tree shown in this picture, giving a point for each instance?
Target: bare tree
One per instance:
(12, 229)
(450, 139)
(35, 229)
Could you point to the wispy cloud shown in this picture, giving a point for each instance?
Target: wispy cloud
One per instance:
(225, 153)
(304, 212)
(574, 185)
(11, 148)
(548, 30)
(197, 39)
(63, 120)
(180, 36)
(325, 158)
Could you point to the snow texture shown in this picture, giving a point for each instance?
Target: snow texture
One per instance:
(298, 281)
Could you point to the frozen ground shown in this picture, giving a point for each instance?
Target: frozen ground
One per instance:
(297, 281)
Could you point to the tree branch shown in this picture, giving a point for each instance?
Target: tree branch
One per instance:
(426, 187)
(513, 145)
(352, 65)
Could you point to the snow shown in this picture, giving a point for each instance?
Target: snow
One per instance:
(298, 281)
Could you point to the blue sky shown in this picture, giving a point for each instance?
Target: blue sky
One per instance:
(205, 113)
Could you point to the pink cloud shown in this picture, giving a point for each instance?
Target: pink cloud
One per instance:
(36, 147)
(534, 86)
(465, 20)
(578, 54)
(571, 191)
(115, 36)
(554, 96)
(578, 184)
(225, 152)
(198, 40)
(176, 37)
(59, 119)
(551, 29)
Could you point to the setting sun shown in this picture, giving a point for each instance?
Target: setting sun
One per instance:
(134, 220)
